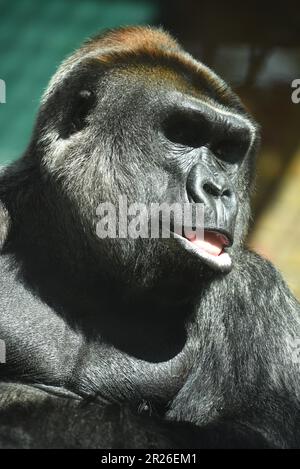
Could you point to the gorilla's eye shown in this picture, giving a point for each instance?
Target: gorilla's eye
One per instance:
(76, 113)
(186, 129)
(230, 150)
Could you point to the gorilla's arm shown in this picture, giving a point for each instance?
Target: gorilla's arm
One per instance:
(32, 418)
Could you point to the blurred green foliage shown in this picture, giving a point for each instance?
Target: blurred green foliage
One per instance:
(35, 36)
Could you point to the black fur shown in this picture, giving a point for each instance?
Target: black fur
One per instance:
(123, 343)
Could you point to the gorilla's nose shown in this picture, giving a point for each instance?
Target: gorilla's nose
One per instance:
(213, 188)
(216, 188)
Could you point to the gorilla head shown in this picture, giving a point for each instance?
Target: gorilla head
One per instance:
(131, 113)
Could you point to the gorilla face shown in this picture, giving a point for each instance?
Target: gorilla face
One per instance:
(158, 127)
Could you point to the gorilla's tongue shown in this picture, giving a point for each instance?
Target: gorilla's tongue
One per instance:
(213, 242)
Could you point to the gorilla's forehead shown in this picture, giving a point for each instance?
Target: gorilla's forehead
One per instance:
(154, 50)
(154, 78)
(169, 70)
(152, 55)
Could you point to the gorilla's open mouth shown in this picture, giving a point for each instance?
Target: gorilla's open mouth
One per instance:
(211, 249)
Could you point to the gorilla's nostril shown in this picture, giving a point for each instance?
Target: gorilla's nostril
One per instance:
(226, 193)
(211, 189)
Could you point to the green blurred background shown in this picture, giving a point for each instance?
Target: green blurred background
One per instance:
(254, 45)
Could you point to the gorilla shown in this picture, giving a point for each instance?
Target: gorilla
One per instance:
(140, 342)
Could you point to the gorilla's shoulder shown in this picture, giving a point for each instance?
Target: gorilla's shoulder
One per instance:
(262, 277)
(257, 265)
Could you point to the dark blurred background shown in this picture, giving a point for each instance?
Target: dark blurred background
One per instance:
(254, 45)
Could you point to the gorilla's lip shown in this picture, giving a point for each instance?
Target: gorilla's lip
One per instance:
(211, 249)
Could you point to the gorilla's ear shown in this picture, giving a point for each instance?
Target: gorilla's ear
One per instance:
(78, 107)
